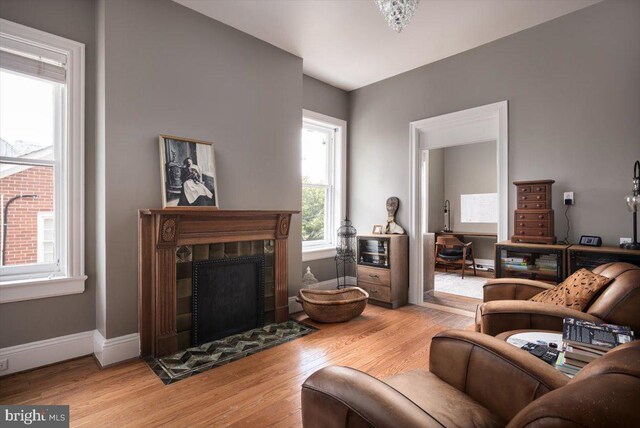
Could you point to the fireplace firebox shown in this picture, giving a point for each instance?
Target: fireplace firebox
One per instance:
(228, 297)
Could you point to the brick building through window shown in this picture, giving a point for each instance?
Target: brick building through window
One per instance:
(27, 199)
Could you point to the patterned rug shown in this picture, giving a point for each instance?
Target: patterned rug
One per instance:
(191, 361)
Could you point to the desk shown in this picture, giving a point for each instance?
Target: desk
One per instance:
(461, 235)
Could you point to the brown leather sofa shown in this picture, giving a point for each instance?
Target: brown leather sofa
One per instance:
(475, 380)
(506, 307)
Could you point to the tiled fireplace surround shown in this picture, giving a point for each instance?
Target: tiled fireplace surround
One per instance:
(171, 240)
(186, 255)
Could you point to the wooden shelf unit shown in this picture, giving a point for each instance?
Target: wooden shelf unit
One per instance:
(532, 257)
(574, 257)
(582, 256)
(384, 273)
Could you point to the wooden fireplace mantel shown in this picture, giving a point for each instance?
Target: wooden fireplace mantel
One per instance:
(161, 231)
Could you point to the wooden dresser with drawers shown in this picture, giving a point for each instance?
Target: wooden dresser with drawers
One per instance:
(533, 217)
(383, 268)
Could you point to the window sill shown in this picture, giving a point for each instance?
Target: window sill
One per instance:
(17, 291)
(318, 253)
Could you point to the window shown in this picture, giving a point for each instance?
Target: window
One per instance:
(41, 164)
(323, 192)
(46, 238)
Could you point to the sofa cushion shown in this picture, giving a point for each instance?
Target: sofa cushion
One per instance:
(442, 401)
(574, 292)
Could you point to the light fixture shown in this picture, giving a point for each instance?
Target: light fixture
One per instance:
(447, 216)
(633, 202)
(398, 13)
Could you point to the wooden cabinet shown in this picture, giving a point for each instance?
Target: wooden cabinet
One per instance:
(383, 268)
(582, 256)
(531, 261)
(553, 263)
(533, 218)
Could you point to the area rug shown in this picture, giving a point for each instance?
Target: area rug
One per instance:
(470, 286)
(198, 359)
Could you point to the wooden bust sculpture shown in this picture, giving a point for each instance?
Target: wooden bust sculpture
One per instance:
(392, 208)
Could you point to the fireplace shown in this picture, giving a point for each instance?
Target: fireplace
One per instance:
(228, 297)
(176, 246)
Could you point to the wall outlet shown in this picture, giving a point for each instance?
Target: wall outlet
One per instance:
(568, 198)
(625, 240)
(4, 364)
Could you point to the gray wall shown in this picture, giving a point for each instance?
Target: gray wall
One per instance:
(436, 190)
(170, 70)
(323, 98)
(572, 85)
(461, 170)
(469, 169)
(45, 318)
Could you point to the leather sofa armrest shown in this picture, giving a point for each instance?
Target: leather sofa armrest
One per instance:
(512, 289)
(506, 315)
(342, 397)
(496, 374)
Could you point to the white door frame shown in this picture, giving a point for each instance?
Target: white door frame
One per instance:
(484, 123)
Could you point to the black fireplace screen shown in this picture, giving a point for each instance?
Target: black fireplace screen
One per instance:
(228, 297)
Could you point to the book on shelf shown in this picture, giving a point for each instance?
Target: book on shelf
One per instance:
(514, 260)
(517, 267)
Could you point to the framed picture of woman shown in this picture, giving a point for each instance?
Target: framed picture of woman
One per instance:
(188, 173)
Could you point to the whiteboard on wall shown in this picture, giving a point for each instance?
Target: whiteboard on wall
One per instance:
(479, 208)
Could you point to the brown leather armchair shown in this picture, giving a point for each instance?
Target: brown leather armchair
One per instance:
(480, 381)
(506, 306)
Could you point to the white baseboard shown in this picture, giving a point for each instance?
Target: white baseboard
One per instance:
(44, 352)
(111, 351)
(324, 285)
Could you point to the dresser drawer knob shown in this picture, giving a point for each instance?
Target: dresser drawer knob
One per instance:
(538, 205)
(539, 197)
(522, 224)
(373, 276)
(540, 224)
(524, 198)
(540, 217)
(521, 217)
(522, 232)
(540, 233)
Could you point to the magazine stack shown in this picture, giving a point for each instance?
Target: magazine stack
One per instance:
(585, 342)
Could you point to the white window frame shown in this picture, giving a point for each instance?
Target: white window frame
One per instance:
(29, 282)
(42, 217)
(338, 197)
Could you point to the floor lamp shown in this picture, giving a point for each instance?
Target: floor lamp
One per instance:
(633, 202)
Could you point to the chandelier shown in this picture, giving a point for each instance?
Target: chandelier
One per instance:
(398, 13)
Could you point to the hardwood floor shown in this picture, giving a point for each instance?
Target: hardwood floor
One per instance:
(464, 303)
(260, 390)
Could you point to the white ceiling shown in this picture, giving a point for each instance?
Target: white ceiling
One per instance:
(348, 44)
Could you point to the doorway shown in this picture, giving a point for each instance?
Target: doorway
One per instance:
(475, 137)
